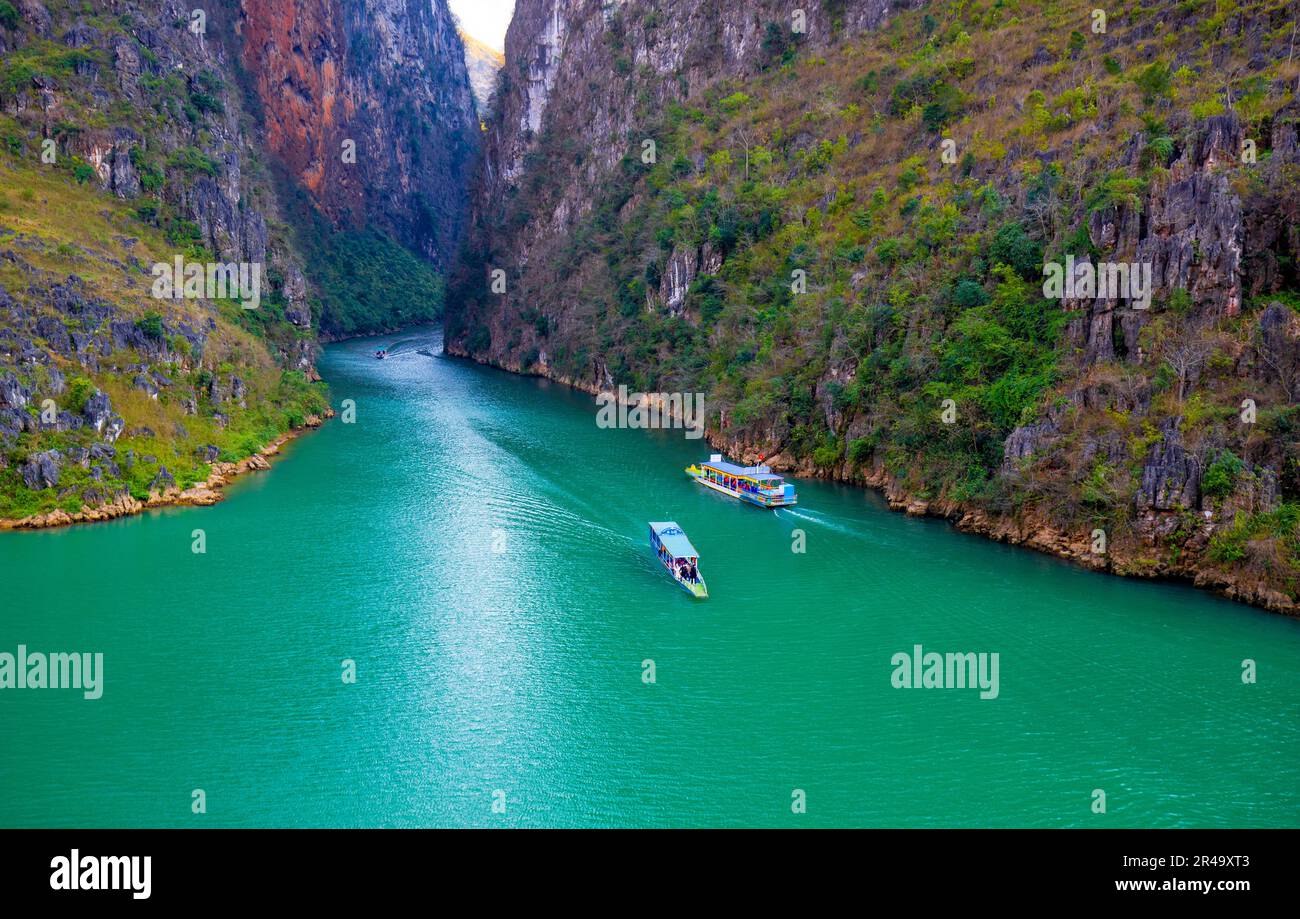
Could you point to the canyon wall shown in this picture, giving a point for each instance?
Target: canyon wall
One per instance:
(135, 133)
(838, 229)
(369, 104)
(596, 73)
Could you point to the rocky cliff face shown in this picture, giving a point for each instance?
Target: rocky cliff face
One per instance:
(370, 106)
(610, 65)
(483, 64)
(138, 133)
(142, 57)
(1213, 247)
(836, 231)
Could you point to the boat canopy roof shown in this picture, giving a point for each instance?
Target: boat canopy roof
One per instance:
(757, 473)
(674, 540)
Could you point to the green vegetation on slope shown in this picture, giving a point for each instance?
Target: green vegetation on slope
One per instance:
(129, 141)
(923, 277)
(61, 227)
(363, 281)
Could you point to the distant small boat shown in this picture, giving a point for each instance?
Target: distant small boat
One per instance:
(752, 484)
(676, 554)
(381, 354)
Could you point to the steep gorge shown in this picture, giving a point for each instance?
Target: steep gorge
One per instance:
(833, 221)
(385, 80)
(837, 229)
(136, 133)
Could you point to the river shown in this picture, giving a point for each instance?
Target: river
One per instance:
(477, 546)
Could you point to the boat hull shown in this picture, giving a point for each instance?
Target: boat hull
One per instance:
(747, 497)
(698, 589)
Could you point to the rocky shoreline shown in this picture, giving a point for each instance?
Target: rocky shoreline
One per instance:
(205, 494)
(1030, 530)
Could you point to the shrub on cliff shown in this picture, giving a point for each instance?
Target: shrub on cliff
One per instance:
(151, 325)
(80, 389)
(1012, 246)
(1221, 476)
(194, 161)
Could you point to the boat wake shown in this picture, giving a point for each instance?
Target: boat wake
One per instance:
(820, 519)
(404, 346)
(543, 514)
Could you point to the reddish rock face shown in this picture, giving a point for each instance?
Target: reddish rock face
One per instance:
(368, 105)
(293, 52)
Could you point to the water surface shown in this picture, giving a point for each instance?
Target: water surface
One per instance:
(477, 546)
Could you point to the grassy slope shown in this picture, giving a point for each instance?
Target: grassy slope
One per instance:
(71, 228)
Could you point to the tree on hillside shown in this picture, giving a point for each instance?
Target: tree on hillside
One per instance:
(1185, 358)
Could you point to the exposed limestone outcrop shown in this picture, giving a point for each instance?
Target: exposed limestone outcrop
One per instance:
(163, 490)
(1171, 476)
(388, 79)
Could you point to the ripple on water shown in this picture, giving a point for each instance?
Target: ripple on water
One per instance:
(517, 663)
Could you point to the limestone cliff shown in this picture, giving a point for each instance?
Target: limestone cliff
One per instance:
(613, 63)
(483, 64)
(369, 104)
(837, 224)
(136, 133)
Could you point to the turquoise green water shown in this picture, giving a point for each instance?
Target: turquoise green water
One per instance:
(520, 670)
